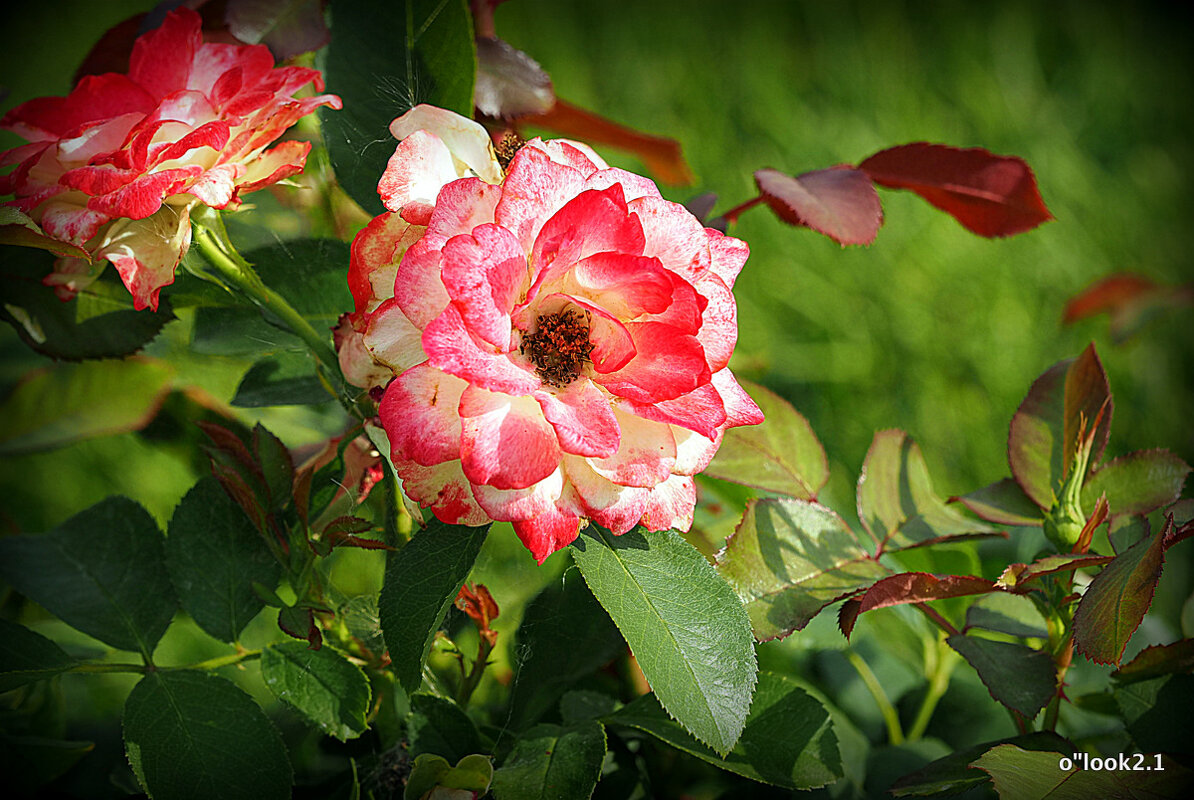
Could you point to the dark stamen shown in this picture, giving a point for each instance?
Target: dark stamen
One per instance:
(559, 346)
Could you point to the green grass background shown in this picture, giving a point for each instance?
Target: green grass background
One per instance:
(930, 329)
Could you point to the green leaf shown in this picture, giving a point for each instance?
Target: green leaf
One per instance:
(29, 762)
(99, 323)
(421, 583)
(283, 379)
(1017, 676)
(1158, 660)
(788, 739)
(683, 623)
(1002, 502)
(472, 775)
(439, 726)
(780, 455)
(238, 331)
(1157, 713)
(19, 229)
(565, 636)
(896, 501)
(1012, 614)
(322, 685)
(383, 60)
(1044, 429)
(102, 571)
(1138, 483)
(277, 466)
(190, 734)
(26, 656)
(953, 774)
(583, 705)
(214, 554)
(789, 559)
(64, 403)
(550, 762)
(1117, 599)
(1020, 774)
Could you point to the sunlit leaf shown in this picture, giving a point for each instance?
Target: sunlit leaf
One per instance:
(1137, 483)
(383, 60)
(789, 559)
(788, 739)
(840, 202)
(1016, 576)
(1044, 429)
(469, 778)
(421, 583)
(687, 629)
(782, 454)
(990, 195)
(190, 734)
(1020, 774)
(102, 571)
(1012, 614)
(896, 501)
(1117, 599)
(1019, 677)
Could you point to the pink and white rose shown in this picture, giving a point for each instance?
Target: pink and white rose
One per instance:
(557, 339)
(117, 165)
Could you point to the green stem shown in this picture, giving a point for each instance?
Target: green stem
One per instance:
(99, 667)
(895, 734)
(946, 661)
(232, 268)
(219, 661)
(469, 683)
(93, 667)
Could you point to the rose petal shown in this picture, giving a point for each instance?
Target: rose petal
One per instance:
(450, 347)
(484, 273)
(506, 442)
(668, 363)
(420, 415)
(392, 339)
(645, 454)
(582, 418)
(671, 504)
(442, 488)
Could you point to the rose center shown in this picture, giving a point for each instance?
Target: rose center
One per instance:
(559, 346)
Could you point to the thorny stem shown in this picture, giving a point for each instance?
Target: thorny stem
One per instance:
(468, 683)
(233, 269)
(1063, 658)
(895, 734)
(732, 215)
(96, 667)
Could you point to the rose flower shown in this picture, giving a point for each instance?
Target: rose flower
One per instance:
(559, 339)
(116, 166)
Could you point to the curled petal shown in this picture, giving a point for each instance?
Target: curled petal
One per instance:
(146, 251)
(484, 273)
(444, 489)
(420, 167)
(611, 505)
(450, 347)
(467, 141)
(373, 263)
(671, 504)
(548, 532)
(534, 189)
(582, 418)
(668, 363)
(392, 339)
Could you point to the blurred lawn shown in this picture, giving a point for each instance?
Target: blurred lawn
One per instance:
(930, 329)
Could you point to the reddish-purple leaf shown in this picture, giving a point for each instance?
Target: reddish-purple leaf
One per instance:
(1044, 430)
(910, 587)
(299, 622)
(509, 82)
(896, 501)
(1130, 300)
(661, 156)
(287, 27)
(1139, 482)
(1017, 575)
(1158, 660)
(990, 195)
(1002, 502)
(840, 202)
(1117, 600)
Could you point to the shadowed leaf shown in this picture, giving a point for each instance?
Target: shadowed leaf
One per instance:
(287, 27)
(322, 685)
(550, 762)
(440, 727)
(1137, 483)
(990, 195)
(780, 455)
(1158, 660)
(1002, 502)
(953, 774)
(26, 656)
(789, 559)
(1019, 677)
(1012, 614)
(1020, 774)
